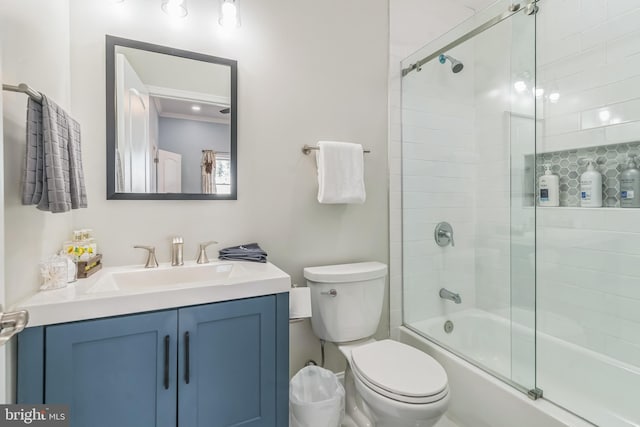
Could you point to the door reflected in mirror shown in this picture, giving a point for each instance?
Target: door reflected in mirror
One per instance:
(171, 123)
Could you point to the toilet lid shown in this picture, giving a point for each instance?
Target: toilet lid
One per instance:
(399, 369)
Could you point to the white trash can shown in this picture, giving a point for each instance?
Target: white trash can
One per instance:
(316, 398)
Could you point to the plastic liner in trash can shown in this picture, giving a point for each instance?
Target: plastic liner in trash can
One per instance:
(316, 399)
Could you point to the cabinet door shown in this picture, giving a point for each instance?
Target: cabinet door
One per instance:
(115, 372)
(227, 366)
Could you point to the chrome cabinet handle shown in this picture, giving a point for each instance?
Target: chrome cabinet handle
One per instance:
(331, 293)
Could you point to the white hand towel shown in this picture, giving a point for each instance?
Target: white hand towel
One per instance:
(340, 172)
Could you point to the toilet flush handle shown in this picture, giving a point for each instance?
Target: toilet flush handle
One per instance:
(331, 293)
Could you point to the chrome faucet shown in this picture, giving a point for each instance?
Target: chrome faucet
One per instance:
(202, 254)
(177, 245)
(152, 262)
(446, 294)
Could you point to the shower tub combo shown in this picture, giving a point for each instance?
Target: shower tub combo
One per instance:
(532, 311)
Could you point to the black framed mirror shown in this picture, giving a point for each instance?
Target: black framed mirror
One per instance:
(171, 123)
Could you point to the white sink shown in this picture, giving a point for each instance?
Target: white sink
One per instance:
(186, 275)
(124, 290)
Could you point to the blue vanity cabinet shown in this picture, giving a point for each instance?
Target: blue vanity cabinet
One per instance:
(114, 372)
(234, 345)
(215, 365)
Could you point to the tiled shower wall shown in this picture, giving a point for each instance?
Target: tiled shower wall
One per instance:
(589, 51)
(413, 23)
(438, 179)
(588, 275)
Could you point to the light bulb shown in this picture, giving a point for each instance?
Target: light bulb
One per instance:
(229, 17)
(520, 86)
(554, 97)
(175, 8)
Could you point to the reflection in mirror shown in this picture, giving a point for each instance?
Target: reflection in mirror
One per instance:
(171, 131)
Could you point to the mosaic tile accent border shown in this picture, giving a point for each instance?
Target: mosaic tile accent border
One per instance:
(612, 160)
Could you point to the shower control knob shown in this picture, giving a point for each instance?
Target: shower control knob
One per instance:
(443, 234)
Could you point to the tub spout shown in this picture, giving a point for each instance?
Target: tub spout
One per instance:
(446, 294)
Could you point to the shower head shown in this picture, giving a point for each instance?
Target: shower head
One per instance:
(456, 66)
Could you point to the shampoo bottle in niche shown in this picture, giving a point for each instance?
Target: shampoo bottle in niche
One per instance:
(630, 185)
(591, 186)
(549, 188)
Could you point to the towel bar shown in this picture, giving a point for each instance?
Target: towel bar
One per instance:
(24, 88)
(307, 149)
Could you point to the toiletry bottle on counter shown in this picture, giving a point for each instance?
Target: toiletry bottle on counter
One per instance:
(549, 188)
(630, 185)
(591, 186)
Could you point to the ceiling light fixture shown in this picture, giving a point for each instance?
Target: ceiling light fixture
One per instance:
(604, 115)
(175, 8)
(229, 14)
(554, 93)
(195, 108)
(520, 86)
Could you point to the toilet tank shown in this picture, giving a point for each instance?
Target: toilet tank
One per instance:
(346, 300)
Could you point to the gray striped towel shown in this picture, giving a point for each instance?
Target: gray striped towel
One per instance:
(53, 177)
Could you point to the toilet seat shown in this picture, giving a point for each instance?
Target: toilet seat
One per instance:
(399, 372)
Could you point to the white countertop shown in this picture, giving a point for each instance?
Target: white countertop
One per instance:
(101, 295)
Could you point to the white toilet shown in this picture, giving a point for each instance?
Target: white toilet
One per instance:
(388, 384)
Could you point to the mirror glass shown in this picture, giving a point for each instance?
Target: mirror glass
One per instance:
(171, 123)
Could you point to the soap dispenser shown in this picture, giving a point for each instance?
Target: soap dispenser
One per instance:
(630, 185)
(591, 186)
(549, 188)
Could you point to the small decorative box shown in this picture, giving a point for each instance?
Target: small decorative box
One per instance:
(90, 266)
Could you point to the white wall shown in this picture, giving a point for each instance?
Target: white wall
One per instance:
(306, 71)
(35, 50)
(35, 36)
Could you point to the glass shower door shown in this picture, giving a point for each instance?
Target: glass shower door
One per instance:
(588, 259)
(468, 141)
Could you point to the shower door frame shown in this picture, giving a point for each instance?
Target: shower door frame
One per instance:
(530, 8)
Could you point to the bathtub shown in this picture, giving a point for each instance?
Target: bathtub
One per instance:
(598, 388)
